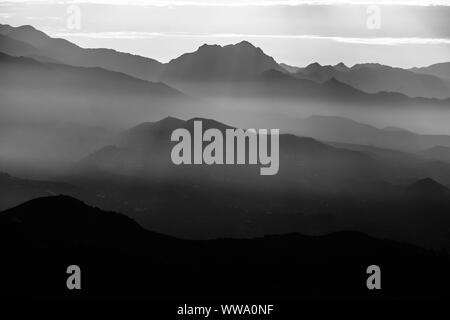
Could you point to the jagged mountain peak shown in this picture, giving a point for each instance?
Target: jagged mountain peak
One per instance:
(341, 67)
(213, 62)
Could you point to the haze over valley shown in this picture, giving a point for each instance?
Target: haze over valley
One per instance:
(225, 150)
(96, 124)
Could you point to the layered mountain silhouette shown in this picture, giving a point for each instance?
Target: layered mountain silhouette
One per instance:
(372, 78)
(18, 48)
(290, 68)
(73, 106)
(61, 76)
(209, 62)
(61, 50)
(363, 152)
(80, 140)
(438, 152)
(288, 91)
(79, 94)
(241, 61)
(319, 188)
(53, 114)
(148, 145)
(340, 129)
(119, 259)
(439, 70)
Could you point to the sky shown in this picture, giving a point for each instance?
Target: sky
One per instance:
(403, 33)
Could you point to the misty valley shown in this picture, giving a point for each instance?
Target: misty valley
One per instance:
(129, 164)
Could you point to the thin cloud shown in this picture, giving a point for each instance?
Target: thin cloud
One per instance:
(109, 35)
(43, 18)
(390, 41)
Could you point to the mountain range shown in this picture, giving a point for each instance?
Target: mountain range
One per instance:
(319, 188)
(50, 84)
(53, 114)
(223, 63)
(29, 40)
(357, 151)
(441, 70)
(88, 94)
(238, 61)
(86, 133)
(92, 114)
(340, 129)
(372, 78)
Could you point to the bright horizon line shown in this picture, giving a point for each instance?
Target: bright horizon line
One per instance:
(355, 40)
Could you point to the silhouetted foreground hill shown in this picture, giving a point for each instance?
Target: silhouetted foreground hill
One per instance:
(15, 190)
(41, 238)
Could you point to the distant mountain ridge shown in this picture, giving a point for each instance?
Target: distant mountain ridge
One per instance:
(27, 75)
(147, 146)
(225, 63)
(71, 54)
(438, 69)
(150, 141)
(289, 68)
(438, 152)
(339, 129)
(76, 73)
(373, 77)
(238, 61)
(17, 48)
(57, 112)
(274, 84)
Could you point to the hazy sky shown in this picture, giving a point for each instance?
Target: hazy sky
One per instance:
(401, 33)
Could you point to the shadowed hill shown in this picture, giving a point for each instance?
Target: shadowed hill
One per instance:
(119, 259)
(43, 219)
(15, 190)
